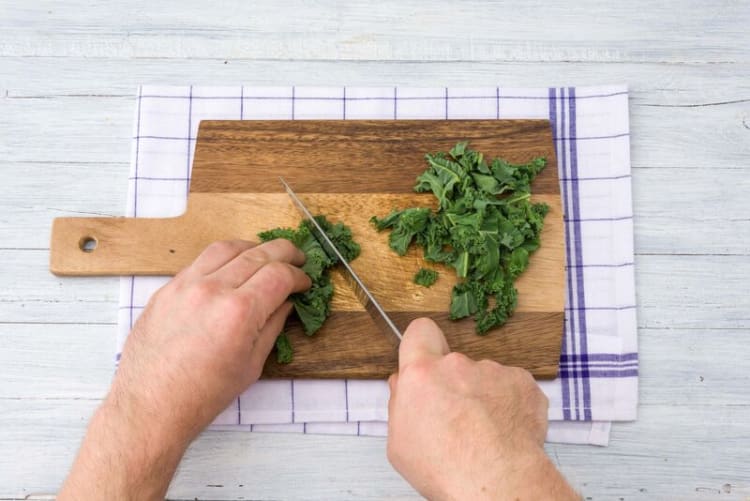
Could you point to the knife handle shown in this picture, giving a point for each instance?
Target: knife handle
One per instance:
(121, 246)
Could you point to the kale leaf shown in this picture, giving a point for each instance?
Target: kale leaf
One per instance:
(284, 350)
(485, 228)
(425, 277)
(314, 305)
(406, 225)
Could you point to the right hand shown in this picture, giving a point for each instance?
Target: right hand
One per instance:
(460, 429)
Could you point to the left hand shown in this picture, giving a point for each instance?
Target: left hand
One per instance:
(204, 337)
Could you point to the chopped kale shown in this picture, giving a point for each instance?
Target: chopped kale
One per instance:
(425, 277)
(485, 227)
(284, 350)
(313, 306)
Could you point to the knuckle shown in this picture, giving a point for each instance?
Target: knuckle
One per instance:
(204, 291)
(279, 271)
(462, 367)
(456, 360)
(234, 306)
(221, 247)
(522, 376)
(279, 277)
(491, 369)
(270, 251)
(416, 374)
(181, 277)
(490, 365)
(253, 257)
(253, 307)
(285, 245)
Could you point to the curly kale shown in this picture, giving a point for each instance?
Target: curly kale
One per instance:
(485, 228)
(425, 277)
(284, 350)
(313, 306)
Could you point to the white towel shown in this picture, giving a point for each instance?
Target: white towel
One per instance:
(598, 380)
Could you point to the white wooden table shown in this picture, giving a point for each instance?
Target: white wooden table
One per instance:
(68, 74)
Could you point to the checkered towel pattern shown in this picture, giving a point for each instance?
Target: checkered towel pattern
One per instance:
(598, 378)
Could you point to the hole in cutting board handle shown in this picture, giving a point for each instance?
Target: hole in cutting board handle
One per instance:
(87, 244)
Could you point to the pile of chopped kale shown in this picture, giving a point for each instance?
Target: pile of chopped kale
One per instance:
(485, 227)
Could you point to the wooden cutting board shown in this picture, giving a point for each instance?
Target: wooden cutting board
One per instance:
(350, 171)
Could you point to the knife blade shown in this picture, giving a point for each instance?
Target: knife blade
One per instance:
(364, 296)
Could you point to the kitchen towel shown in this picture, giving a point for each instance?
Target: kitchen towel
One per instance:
(598, 378)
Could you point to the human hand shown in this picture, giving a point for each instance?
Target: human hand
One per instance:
(204, 337)
(460, 429)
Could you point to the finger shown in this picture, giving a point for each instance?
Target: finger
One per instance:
(267, 336)
(237, 271)
(423, 339)
(272, 285)
(218, 254)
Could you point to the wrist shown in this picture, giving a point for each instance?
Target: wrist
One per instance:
(534, 476)
(141, 423)
(123, 456)
(147, 450)
(525, 473)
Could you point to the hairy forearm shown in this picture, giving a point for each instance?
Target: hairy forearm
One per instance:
(541, 480)
(530, 476)
(123, 458)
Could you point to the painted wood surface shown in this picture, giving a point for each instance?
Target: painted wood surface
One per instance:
(67, 84)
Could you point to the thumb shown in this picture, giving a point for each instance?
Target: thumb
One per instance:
(423, 339)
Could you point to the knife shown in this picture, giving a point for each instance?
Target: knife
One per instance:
(365, 297)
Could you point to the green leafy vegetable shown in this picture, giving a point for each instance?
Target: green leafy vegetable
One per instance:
(284, 351)
(313, 306)
(485, 228)
(425, 277)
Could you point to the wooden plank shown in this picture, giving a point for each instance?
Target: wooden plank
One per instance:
(702, 456)
(692, 366)
(34, 295)
(713, 285)
(37, 358)
(329, 30)
(724, 230)
(108, 79)
(354, 156)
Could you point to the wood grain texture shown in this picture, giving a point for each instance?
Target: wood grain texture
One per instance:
(396, 31)
(67, 90)
(382, 156)
(694, 104)
(349, 170)
(639, 464)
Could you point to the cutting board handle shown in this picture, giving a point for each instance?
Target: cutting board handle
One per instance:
(120, 246)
